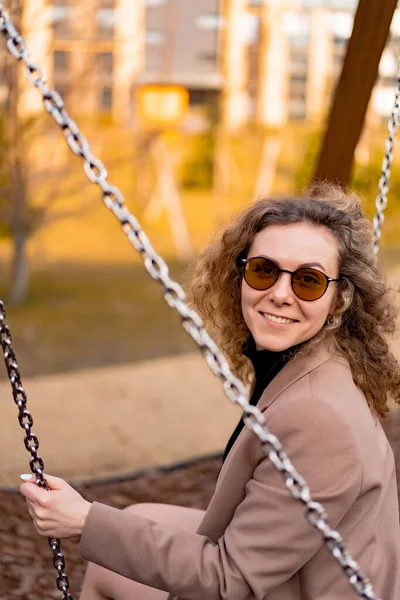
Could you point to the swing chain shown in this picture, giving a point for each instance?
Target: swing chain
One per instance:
(191, 321)
(384, 181)
(31, 441)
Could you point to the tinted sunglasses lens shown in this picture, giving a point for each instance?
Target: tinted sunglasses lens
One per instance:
(309, 284)
(260, 273)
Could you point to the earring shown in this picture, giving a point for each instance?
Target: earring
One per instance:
(333, 321)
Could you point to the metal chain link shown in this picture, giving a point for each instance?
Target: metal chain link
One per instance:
(381, 200)
(31, 442)
(191, 321)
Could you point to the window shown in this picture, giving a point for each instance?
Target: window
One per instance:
(105, 19)
(343, 4)
(154, 37)
(334, 4)
(312, 3)
(296, 24)
(250, 25)
(298, 63)
(60, 60)
(339, 41)
(297, 109)
(341, 24)
(198, 97)
(60, 16)
(106, 98)
(106, 62)
(209, 21)
(63, 89)
(388, 64)
(395, 26)
(299, 41)
(298, 78)
(337, 62)
(207, 56)
(387, 82)
(154, 58)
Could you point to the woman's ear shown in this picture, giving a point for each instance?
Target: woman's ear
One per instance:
(343, 297)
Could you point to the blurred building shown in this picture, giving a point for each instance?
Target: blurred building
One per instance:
(297, 55)
(181, 45)
(268, 61)
(98, 53)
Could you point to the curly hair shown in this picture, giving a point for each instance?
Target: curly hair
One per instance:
(365, 311)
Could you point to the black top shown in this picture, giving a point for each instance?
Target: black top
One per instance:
(267, 365)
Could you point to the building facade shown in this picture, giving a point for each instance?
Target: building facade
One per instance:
(264, 61)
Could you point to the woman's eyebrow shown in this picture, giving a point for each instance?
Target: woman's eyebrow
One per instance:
(312, 264)
(302, 266)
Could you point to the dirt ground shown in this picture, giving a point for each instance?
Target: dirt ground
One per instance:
(26, 572)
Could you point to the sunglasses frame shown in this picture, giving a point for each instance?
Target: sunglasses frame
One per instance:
(242, 262)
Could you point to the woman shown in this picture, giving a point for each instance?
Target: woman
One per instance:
(293, 286)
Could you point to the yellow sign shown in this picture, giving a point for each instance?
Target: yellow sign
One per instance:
(162, 105)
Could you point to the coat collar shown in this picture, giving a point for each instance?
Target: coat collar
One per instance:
(301, 364)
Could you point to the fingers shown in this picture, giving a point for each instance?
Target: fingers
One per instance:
(36, 511)
(33, 492)
(54, 483)
(30, 509)
(38, 494)
(37, 518)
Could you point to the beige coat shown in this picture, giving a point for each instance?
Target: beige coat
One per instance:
(254, 541)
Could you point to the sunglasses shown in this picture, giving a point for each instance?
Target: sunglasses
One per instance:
(262, 273)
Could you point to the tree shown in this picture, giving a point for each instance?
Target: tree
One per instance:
(14, 188)
(21, 174)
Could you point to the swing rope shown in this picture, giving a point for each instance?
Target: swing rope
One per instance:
(191, 322)
(384, 180)
(31, 442)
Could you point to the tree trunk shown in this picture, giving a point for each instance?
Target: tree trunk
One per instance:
(360, 68)
(18, 181)
(19, 263)
(19, 270)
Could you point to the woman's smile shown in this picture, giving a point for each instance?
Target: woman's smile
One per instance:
(277, 321)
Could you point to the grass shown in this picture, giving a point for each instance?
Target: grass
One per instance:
(80, 316)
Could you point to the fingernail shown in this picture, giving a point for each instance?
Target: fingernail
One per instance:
(26, 476)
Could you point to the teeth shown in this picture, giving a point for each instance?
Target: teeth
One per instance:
(277, 319)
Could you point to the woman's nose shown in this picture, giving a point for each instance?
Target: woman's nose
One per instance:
(281, 292)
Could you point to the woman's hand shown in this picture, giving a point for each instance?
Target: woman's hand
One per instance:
(60, 512)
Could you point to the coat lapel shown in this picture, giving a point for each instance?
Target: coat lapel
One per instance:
(297, 367)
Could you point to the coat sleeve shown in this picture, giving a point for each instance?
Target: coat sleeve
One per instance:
(268, 538)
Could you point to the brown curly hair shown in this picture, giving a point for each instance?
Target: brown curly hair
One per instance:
(365, 312)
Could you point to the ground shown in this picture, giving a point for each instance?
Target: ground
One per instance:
(26, 571)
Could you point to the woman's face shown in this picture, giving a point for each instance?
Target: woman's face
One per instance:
(291, 247)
